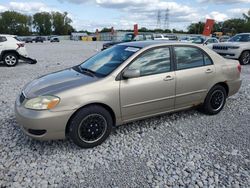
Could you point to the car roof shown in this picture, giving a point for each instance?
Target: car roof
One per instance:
(143, 44)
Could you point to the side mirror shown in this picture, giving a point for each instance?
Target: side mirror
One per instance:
(131, 73)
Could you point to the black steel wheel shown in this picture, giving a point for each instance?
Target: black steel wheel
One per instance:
(215, 100)
(90, 126)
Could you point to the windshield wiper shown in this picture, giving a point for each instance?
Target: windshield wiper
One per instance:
(88, 71)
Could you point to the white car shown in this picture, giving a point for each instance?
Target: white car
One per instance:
(238, 47)
(188, 39)
(160, 37)
(11, 50)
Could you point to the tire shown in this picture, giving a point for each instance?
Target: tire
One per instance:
(90, 126)
(215, 100)
(10, 59)
(245, 58)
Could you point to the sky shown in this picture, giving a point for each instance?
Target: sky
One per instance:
(123, 14)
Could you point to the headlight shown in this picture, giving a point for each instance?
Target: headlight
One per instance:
(42, 103)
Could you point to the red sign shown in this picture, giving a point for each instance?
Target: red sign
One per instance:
(208, 27)
(136, 29)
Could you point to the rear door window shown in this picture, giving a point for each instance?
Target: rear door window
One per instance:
(190, 57)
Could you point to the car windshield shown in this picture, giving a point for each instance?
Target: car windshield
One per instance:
(198, 40)
(108, 60)
(240, 38)
(128, 37)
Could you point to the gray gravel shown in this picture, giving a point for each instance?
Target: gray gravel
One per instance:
(185, 149)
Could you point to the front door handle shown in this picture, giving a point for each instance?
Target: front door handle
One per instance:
(168, 78)
(209, 70)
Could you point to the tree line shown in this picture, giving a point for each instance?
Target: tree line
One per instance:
(230, 26)
(42, 23)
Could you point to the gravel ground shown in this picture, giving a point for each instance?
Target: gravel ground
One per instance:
(185, 149)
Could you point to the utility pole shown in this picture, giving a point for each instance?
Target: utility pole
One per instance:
(159, 19)
(166, 19)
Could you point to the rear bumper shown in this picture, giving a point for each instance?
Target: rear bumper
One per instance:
(42, 125)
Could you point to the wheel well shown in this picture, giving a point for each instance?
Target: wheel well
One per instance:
(223, 84)
(244, 51)
(109, 109)
(9, 51)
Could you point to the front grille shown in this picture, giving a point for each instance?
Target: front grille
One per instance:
(220, 47)
(21, 98)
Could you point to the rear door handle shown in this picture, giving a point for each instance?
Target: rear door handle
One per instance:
(209, 70)
(168, 78)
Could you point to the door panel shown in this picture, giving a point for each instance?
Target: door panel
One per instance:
(192, 85)
(194, 75)
(153, 92)
(147, 95)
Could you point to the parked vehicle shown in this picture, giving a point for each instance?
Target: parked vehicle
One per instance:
(28, 40)
(238, 47)
(12, 50)
(189, 39)
(171, 37)
(224, 38)
(160, 37)
(201, 40)
(54, 39)
(127, 82)
(142, 37)
(129, 37)
(39, 39)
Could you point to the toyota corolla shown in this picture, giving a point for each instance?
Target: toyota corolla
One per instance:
(127, 82)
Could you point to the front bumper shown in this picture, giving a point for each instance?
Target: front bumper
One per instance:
(230, 53)
(42, 125)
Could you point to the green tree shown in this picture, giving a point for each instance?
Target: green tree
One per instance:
(61, 23)
(196, 28)
(247, 16)
(236, 25)
(14, 23)
(42, 23)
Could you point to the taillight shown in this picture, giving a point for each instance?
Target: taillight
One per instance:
(20, 45)
(239, 67)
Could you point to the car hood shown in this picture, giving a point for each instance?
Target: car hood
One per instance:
(56, 82)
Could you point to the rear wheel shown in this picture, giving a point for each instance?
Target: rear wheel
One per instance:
(10, 59)
(245, 58)
(90, 126)
(215, 100)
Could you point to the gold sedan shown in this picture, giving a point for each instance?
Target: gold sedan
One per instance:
(127, 82)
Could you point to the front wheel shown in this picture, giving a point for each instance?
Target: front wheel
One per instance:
(90, 126)
(10, 59)
(245, 58)
(215, 100)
